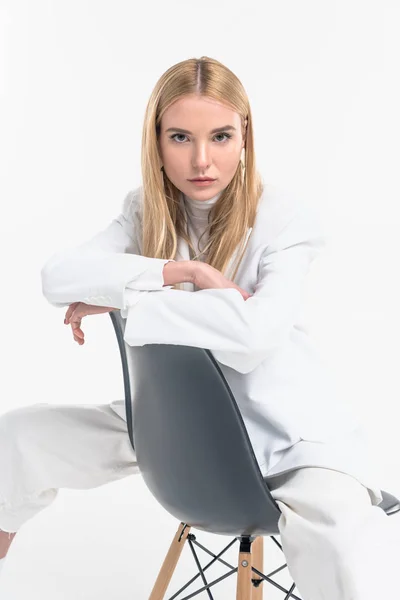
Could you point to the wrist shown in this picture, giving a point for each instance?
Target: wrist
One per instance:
(178, 272)
(191, 270)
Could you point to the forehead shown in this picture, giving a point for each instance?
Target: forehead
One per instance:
(199, 114)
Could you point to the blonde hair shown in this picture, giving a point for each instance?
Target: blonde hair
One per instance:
(235, 210)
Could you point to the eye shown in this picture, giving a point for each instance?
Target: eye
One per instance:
(173, 136)
(227, 137)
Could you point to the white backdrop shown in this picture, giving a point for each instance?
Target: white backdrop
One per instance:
(74, 82)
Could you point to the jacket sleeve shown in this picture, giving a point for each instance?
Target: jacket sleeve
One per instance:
(240, 333)
(106, 270)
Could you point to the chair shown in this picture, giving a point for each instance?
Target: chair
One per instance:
(197, 460)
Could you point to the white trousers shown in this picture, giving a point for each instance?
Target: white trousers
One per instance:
(336, 543)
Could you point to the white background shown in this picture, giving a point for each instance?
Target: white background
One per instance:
(322, 78)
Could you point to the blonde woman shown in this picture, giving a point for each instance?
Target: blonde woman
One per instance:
(203, 221)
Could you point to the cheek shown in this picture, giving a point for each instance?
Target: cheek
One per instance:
(231, 153)
(229, 160)
(174, 158)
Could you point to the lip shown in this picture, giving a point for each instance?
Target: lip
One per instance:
(202, 182)
(202, 179)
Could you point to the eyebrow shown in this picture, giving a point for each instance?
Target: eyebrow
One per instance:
(218, 129)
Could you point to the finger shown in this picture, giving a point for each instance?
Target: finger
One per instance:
(75, 327)
(77, 331)
(71, 309)
(69, 312)
(75, 319)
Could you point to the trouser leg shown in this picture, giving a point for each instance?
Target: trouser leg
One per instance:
(44, 447)
(337, 544)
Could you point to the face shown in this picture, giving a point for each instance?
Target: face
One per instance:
(197, 151)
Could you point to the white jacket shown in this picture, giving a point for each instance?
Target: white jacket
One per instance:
(288, 402)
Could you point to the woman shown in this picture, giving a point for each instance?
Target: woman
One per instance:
(245, 248)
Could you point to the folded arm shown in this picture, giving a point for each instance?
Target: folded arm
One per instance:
(103, 269)
(241, 334)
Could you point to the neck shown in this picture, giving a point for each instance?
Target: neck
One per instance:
(199, 209)
(202, 202)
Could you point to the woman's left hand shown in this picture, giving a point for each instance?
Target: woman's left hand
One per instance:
(75, 313)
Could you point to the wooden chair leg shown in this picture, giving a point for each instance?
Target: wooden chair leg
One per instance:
(169, 564)
(257, 555)
(244, 585)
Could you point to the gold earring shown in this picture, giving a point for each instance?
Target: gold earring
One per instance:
(242, 159)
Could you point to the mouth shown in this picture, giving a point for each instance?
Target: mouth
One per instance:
(202, 179)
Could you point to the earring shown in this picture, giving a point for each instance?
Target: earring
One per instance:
(242, 159)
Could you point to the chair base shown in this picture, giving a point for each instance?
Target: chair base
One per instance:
(249, 570)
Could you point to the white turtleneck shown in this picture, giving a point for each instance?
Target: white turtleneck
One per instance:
(197, 219)
(197, 212)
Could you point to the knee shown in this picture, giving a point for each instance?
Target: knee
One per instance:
(334, 541)
(16, 423)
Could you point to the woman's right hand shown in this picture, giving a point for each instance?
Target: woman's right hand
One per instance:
(205, 277)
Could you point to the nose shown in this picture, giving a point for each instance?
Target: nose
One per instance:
(201, 157)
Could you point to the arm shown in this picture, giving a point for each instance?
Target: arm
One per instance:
(102, 270)
(173, 272)
(178, 272)
(241, 334)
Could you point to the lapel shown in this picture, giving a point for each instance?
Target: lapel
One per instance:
(183, 253)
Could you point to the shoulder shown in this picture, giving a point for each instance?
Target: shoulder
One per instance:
(132, 203)
(279, 205)
(281, 210)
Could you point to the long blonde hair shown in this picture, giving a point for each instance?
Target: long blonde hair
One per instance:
(236, 208)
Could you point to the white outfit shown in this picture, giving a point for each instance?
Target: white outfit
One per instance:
(287, 399)
(338, 545)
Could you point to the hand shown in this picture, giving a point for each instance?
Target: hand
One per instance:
(75, 313)
(207, 277)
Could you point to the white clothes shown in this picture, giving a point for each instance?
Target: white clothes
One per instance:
(197, 221)
(197, 212)
(292, 411)
(337, 545)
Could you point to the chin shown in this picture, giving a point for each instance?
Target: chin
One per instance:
(212, 189)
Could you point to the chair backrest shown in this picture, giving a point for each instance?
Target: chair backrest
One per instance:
(191, 443)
